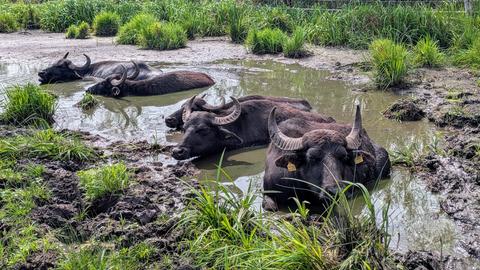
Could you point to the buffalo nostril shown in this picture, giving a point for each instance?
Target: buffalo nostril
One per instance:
(171, 122)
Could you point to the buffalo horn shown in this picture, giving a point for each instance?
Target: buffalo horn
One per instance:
(208, 107)
(116, 82)
(353, 139)
(230, 118)
(187, 109)
(66, 55)
(137, 71)
(279, 139)
(84, 67)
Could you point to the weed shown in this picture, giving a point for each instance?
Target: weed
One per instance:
(265, 41)
(8, 23)
(411, 153)
(110, 179)
(237, 23)
(469, 57)
(72, 32)
(294, 46)
(83, 31)
(106, 24)
(427, 53)
(88, 102)
(129, 32)
(163, 36)
(389, 62)
(28, 105)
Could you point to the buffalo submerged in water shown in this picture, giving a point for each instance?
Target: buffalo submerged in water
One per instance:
(319, 156)
(159, 84)
(64, 70)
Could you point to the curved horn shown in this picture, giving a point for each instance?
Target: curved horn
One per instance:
(84, 67)
(187, 109)
(66, 55)
(279, 139)
(116, 82)
(232, 117)
(208, 107)
(353, 139)
(137, 71)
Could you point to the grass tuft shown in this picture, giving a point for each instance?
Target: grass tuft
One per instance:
(163, 36)
(107, 180)
(389, 62)
(469, 57)
(28, 105)
(83, 31)
(237, 23)
(427, 53)
(72, 32)
(265, 41)
(294, 46)
(130, 32)
(8, 24)
(106, 24)
(87, 102)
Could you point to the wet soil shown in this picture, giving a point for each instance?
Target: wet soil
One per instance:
(405, 110)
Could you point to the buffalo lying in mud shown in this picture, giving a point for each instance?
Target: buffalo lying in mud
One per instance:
(174, 120)
(245, 125)
(64, 70)
(159, 84)
(319, 155)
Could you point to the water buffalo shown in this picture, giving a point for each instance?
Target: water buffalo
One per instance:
(64, 70)
(160, 84)
(320, 154)
(174, 120)
(245, 125)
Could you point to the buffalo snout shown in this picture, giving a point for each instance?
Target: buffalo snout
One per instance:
(171, 122)
(180, 153)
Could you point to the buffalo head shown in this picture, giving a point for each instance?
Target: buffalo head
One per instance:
(113, 85)
(324, 157)
(205, 132)
(175, 120)
(63, 70)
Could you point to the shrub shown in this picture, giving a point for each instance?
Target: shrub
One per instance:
(294, 46)
(72, 32)
(28, 105)
(427, 53)
(265, 41)
(237, 24)
(163, 36)
(469, 57)
(99, 182)
(389, 62)
(83, 31)
(7, 23)
(106, 24)
(129, 32)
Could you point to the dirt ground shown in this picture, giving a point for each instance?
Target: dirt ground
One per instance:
(449, 97)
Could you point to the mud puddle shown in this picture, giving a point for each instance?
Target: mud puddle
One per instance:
(416, 220)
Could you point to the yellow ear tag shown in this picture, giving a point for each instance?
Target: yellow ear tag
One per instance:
(291, 167)
(358, 159)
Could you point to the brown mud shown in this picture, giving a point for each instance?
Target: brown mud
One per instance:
(449, 97)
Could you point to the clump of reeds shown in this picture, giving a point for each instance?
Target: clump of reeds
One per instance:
(427, 53)
(163, 36)
(265, 41)
(106, 24)
(130, 32)
(390, 62)
(294, 46)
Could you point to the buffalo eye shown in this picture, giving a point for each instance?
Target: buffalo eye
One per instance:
(202, 131)
(341, 153)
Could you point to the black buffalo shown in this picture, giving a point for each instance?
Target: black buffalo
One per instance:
(320, 154)
(65, 70)
(245, 125)
(159, 84)
(175, 120)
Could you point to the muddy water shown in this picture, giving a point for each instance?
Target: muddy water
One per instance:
(415, 218)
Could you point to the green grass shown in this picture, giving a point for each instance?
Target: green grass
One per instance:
(294, 46)
(28, 105)
(237, 23)
(224, 232)
(412, 152)
(265, 41)
(72, 32)
(469, 57)
(129, 33)
(106, 24)
(88, 102)
(83, 31)
(8, 23)
(163, 36)
(427, 53)
(46, 144)
(390, 62)
(107, 180)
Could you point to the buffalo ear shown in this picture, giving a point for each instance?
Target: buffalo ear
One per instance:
(284, 160)
(230, 136)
